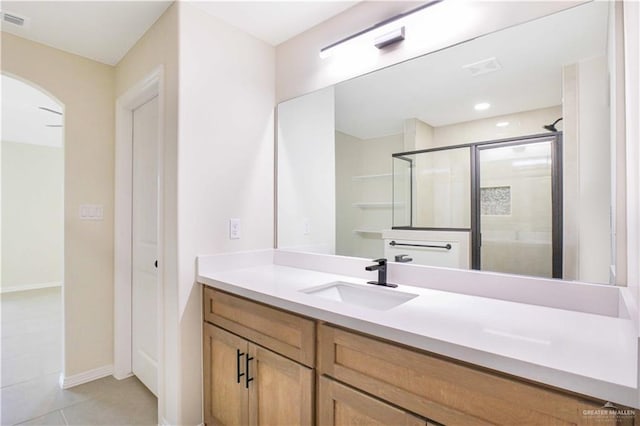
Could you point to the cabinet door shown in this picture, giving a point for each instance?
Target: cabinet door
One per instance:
(225, 396)
(281, 390)
(342, 405)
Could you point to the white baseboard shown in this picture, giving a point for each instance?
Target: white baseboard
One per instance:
(123, 376)
(87, 376)
(25, 287)
(164, 422)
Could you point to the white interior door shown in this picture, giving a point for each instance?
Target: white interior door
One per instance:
(144, 276)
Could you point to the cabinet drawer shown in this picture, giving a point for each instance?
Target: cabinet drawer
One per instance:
(442, 390)
(288, 334)
(342, 405)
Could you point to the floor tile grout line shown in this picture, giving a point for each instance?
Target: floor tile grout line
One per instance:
(64, 418)
(39, 377)
(34, 418)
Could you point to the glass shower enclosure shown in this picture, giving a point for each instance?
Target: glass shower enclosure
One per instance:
(506, 194)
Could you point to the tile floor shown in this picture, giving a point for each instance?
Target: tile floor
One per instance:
(31, 323)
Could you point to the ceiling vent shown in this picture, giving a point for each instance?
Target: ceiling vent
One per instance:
(484, 66)
(13, 19)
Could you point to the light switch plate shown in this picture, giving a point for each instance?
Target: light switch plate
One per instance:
(234, 229)
(91, 212)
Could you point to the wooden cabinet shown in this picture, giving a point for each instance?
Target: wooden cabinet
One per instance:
(281, 392)
(259, 370)
(341, 405)
(443, 390)
(226, 400)
(246, 383)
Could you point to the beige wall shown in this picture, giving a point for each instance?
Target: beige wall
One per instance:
(363, 175)
(417, 135)
(522, 123)
(519, 242)
(442, 189)
(85, 88)
(32, 215)
(347, 153)
(159, 48)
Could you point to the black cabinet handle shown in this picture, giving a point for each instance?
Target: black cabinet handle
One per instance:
(247, 379)
(238, 356)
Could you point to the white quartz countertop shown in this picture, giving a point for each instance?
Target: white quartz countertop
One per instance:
(591, 354)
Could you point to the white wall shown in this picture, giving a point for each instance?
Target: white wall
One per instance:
(615, 51)
(632, 98)
(300, 69)
(586, 171)
(218, 165)
(306, 173)
(595, 171)
(85, 87)
(225, 166)
(32, 215)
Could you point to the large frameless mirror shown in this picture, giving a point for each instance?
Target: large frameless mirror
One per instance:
(495, 154)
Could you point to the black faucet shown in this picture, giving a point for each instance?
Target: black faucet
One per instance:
(381, 267)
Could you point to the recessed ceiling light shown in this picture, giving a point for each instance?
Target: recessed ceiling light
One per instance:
(502, 124)
(482, 106)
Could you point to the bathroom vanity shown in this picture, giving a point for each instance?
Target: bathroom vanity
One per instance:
(293, 338)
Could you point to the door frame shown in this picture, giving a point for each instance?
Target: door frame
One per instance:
(146, 89)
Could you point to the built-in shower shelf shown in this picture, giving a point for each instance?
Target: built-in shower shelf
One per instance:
(377, 205)
(368, 231)
(363, 177)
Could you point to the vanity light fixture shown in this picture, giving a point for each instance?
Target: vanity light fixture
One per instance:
(482, 106)
(381, 35)
(389, 38)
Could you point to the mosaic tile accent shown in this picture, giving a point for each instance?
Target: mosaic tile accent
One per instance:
(495, 201)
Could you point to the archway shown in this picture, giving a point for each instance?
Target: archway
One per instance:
(32, 232)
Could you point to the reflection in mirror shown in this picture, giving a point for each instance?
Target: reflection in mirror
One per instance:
(453, 158)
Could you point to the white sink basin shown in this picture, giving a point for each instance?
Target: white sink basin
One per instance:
(372, 297)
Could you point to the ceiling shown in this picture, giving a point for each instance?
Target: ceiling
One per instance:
(100, 30)
(274, 21)
(105, 30)
(439, 91)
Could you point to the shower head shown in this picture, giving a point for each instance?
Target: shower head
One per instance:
(552, 127)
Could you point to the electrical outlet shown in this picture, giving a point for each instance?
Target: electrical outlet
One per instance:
(234, 229)
(307, 227)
